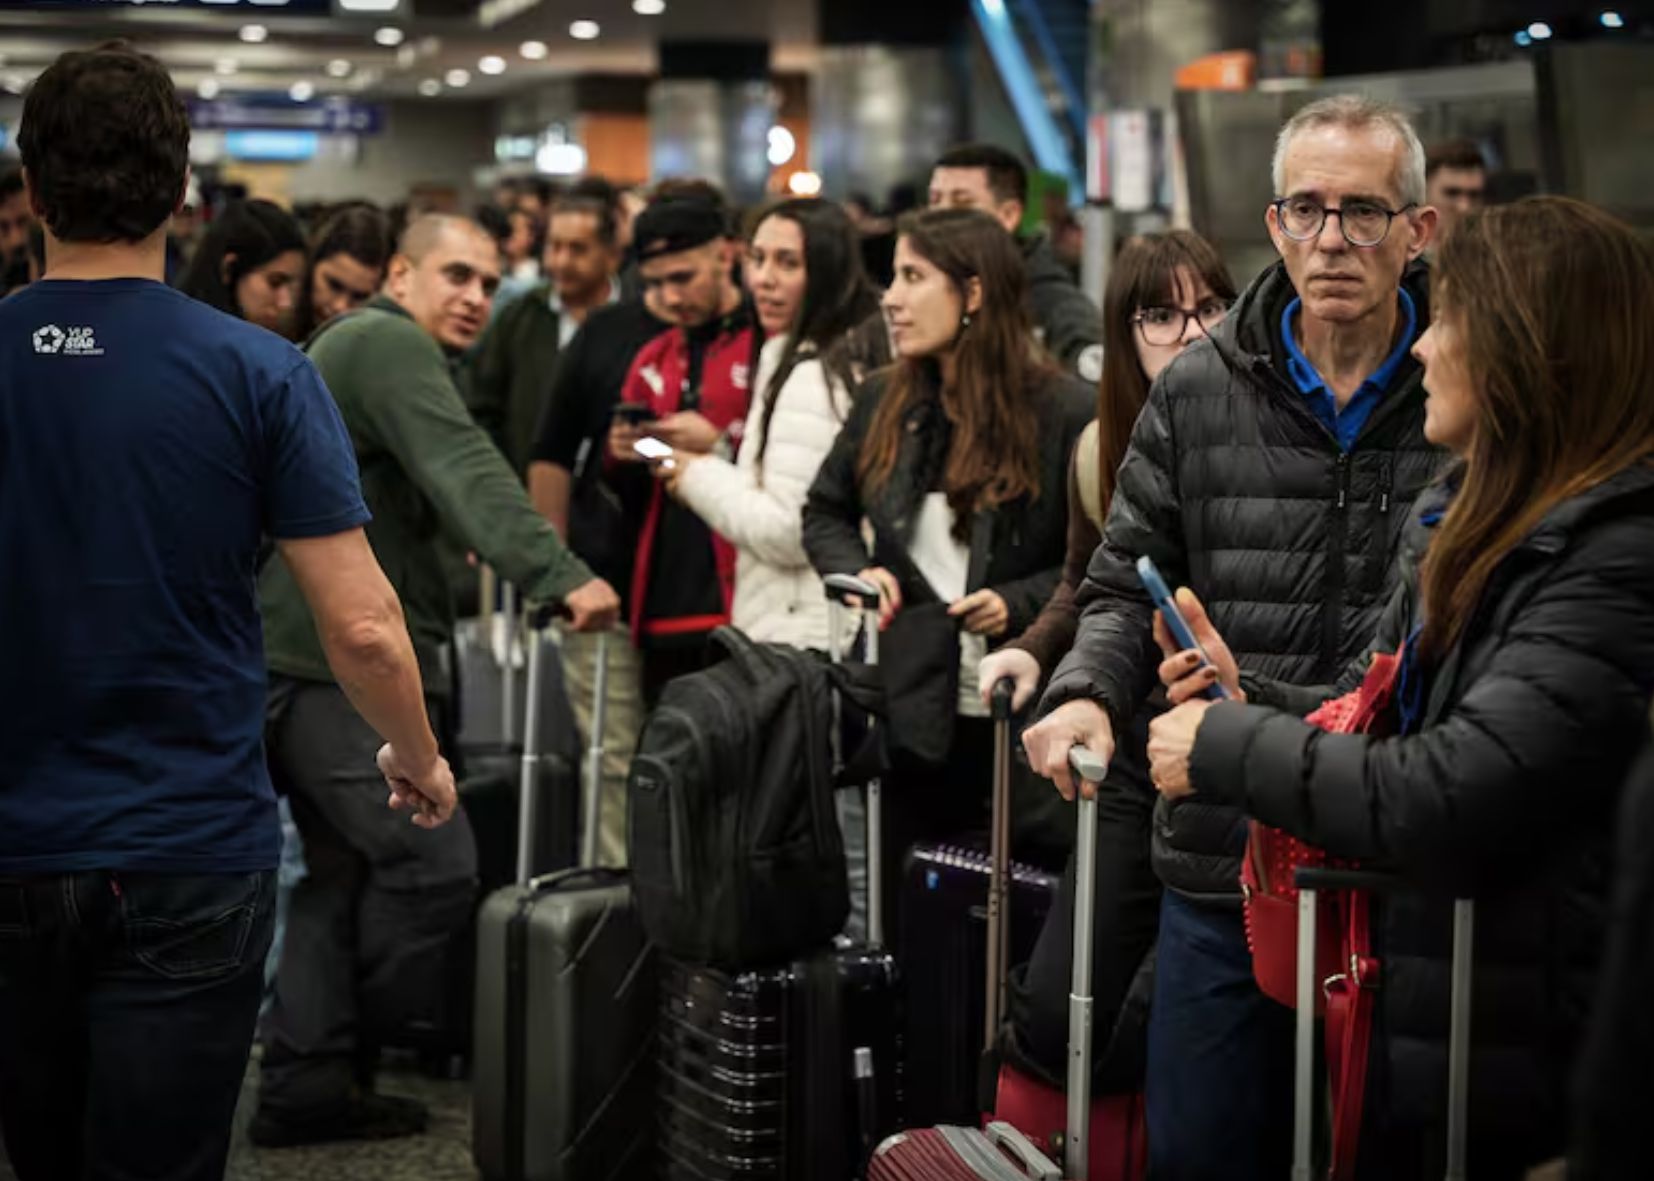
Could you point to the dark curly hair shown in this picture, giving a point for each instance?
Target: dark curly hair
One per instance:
(105, 140)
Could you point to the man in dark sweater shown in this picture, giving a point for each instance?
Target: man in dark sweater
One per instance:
(369, 926)
(1273, 471)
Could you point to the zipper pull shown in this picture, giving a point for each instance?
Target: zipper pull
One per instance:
(1343, 481)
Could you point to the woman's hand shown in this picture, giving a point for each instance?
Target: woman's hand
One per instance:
(669, 470)
(686, 431)
(1183, 672)
(1171, 740)
(890, 592)
(1013, 663)
(982, 612)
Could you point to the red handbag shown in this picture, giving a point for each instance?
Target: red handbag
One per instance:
(1344, 941)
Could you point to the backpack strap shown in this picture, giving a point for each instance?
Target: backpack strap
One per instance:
(1088, 473)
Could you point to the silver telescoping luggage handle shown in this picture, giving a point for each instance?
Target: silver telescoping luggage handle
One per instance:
(1077, 1144)
(539, 620)
(842, 587)
(1310, 881)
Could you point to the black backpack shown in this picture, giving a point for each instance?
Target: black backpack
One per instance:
(735, 850)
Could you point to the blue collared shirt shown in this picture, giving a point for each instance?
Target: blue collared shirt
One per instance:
(1346, 424)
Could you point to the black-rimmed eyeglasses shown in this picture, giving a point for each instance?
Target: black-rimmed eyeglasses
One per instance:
(1166, 325)
(1364, 223)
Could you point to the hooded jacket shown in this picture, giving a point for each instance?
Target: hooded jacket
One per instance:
(1236, 489)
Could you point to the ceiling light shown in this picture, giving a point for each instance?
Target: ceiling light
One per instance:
(1539, 31)
(390, 36)
(534, 51)
(648, 7)
(804, 184)
(457, 78)
(302, 91)
(208, 88)
(339, 68)
(430, 88)
(1523, 39)
(1612, 20)
(254, 34)
(585, 30)
(560, 159)
(430, 46)
(492, 65)
(783, 146)
(369, 5)
(225, 66)
(406, 56)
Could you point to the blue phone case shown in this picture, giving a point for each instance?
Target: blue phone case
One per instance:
(1162, 596)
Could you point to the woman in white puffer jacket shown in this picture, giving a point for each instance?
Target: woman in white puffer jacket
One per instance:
(804, 270)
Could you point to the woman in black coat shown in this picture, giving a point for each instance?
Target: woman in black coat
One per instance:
(956, 456)
(1527, 633)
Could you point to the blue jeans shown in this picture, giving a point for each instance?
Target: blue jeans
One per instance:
(1219, 1091)
(127, 1004)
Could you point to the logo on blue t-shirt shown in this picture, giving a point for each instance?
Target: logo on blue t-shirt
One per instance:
(73, 342)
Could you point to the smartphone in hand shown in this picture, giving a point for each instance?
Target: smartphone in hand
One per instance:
(1149, 573)
(633, 415)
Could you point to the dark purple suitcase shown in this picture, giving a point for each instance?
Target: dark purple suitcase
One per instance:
(944, 945)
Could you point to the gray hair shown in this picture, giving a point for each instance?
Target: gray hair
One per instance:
(1357, 111)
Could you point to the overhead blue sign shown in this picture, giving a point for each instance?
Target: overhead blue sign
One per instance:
(333, 116)
(284, 146)
(265, 7)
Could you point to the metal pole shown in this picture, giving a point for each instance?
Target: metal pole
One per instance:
(875, 814)
(1078, 1143)
(526, 830)
(594, 757)
(1458, 1046)
(1303, 1096)
(508, 671)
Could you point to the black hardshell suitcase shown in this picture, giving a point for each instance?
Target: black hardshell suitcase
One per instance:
(790, 1073)
(944, 925)
(566, 998)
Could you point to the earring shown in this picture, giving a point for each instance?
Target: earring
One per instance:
(965, 321)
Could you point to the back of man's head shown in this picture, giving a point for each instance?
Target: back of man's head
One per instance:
(11, 184)
(105, 142)
(1358, 112)
(1007, 176)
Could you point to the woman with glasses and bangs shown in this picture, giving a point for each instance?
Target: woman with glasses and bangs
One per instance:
(1165, 292)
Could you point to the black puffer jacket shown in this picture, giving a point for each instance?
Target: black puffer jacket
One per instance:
(1506, 793)
(1236, 489)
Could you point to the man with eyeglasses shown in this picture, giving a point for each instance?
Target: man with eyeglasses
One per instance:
(1273, 472)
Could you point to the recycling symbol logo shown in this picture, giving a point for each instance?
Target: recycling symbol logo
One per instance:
(48, 339)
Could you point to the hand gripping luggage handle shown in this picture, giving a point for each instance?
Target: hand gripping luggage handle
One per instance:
(1077, 1143)
(999, 866)
(839, 588)
(1310, 880)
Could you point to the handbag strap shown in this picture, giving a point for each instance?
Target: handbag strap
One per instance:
(1351, 1000)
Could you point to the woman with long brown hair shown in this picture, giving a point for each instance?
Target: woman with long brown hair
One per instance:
(1165, 292)
(956, 458)
(1526, 637)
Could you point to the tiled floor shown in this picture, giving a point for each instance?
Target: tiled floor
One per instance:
(442, 1154)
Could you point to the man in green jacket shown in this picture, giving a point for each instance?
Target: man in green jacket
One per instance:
(511, 375)
(369, 928)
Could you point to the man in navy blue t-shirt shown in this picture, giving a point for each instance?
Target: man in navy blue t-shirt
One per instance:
(147, 443)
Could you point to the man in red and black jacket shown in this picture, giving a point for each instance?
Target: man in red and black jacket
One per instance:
(695, 381)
